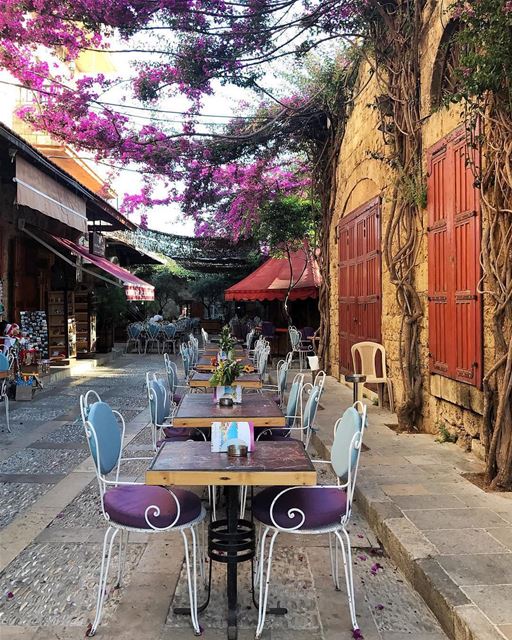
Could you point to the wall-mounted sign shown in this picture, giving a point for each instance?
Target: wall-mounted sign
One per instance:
(97, 244)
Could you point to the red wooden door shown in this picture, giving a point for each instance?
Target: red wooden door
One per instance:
(455, 323)
(359, 277)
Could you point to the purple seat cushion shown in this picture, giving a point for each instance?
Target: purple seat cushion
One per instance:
(322, 507)
(177, 433)
(127, 505)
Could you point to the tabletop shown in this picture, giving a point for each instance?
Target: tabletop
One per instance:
(192, 463)
(248, 380)
(199, 410)
(205, 363)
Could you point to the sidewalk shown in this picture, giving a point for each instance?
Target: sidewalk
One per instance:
(452, 540)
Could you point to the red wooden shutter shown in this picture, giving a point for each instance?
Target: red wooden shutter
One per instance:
(466, 225)
(439, 273)
(453, 262)
(360, 307)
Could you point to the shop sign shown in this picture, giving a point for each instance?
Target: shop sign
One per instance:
(97, 244)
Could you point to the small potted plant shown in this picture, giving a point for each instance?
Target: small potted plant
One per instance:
(226, 343)
(225, 374)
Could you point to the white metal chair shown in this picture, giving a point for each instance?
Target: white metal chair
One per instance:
(169, 337)
(314, 510)
(153, 336)
(133, 331)
(368, 353)
(171, 369)
(281, 379)
(135, 507)
(205, 338)
(293, 414)
(299, 346)
(5, 366)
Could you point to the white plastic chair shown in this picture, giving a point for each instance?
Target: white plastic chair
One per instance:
(367, 352)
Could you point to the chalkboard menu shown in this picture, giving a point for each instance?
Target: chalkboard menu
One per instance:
(35, 327)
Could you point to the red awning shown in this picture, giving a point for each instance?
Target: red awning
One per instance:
(271, 280)
(135, 288)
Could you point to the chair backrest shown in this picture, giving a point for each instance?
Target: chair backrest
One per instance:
(104, 434)
(171, 369)
(319, 382)
(133, 330)
(294, 337)
(367, 352)
(159, 401)
(346, 448)
(294, 397)
(153, 330)
(205, 337)
(282, 376)
(4, 363)
(186, 357)
(263, 360)
(170, 331)
(310, 409)
(248, 339)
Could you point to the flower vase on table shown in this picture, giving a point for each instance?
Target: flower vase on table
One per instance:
(226, 344)
(233, 392)
(223, 377)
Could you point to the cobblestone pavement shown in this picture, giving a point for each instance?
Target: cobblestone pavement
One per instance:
(52, 531)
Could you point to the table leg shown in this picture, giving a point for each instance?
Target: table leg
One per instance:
(232, 568)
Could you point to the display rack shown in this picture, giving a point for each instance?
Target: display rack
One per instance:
(61, 325)
(34, 325)
(85, 325)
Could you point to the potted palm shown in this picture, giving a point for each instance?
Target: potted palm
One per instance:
(223, 377)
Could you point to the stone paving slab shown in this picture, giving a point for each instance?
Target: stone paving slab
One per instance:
(16, 497)
(452, 540)
(73, 432)
(43, 461)
(57, 584)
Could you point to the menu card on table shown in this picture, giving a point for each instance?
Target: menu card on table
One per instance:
(226, 433)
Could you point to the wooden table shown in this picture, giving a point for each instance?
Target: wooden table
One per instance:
(205, 364)
(193, 463)
(248, 380)
(199, 410)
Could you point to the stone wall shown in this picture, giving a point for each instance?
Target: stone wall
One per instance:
(456, 406)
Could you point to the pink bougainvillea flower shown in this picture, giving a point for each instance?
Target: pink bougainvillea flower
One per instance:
(9, 595)
(357, 634)
(379, 607)
(360, 535)
(362, 557)
(375, 568)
